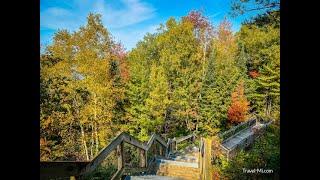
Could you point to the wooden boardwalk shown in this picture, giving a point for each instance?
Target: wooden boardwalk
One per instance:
(241, 136)
(238, 138)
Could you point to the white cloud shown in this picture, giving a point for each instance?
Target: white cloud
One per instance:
(120, 20)
(132, 12)
(58, 18)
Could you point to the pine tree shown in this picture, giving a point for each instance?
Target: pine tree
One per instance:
(222, 77)
(268, 90)
(137, 88)
(157, 101)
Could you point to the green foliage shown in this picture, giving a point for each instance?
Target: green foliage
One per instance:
(264, 153)
(163, 86)
(77, 92)
(221, 78)
(260, 47)
(175, 81)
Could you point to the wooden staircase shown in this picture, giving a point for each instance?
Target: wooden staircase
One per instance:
(62, 169)
(163, 161)
(182, 164)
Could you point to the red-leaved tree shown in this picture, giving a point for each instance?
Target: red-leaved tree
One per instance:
(239, 107)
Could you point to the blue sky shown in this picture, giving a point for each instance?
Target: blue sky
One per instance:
(127, 20)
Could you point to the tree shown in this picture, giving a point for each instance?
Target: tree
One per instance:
(222, 76)
(239, 7)
(260, 42)
(158, 100)
(239, 107)
(203, 30)
(268, 91)
(137, 88)
(265, 152)
(180, 55)
(77, 90)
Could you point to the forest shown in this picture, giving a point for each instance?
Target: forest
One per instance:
(189, 76)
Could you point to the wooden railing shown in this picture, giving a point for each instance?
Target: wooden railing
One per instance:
(173, 143)
(226, 134)
(72, 168)
(205, 156)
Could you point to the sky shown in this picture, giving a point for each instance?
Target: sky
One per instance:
(127, 20)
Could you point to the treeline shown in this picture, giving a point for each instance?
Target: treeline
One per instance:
(188, 76)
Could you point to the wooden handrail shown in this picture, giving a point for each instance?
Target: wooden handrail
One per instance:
(226, 134)
(71, 168)
(180, 139)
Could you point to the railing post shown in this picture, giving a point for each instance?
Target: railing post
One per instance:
(168, 147)
(120, 156)
(143, 158)
(176, 145)
(161, 150)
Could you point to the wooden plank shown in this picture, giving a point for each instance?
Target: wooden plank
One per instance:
(184, 138)
(131, 140)
(120, 155)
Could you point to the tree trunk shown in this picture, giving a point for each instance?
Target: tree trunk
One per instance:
(84, 143)
(97, 138)
(95, 123)
(92, 141)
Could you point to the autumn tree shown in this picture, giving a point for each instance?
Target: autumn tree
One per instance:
(203, 30)
(78, 90)
(239, 107)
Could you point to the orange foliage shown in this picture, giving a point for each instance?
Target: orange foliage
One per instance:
(239, 107)
(254, 73)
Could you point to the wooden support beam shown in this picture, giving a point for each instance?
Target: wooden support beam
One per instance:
(120, 155)
(176, 144)
(161, 150)
(143, 158)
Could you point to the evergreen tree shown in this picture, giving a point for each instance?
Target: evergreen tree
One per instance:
(157, 101)
(260, 41)
(221, 77)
